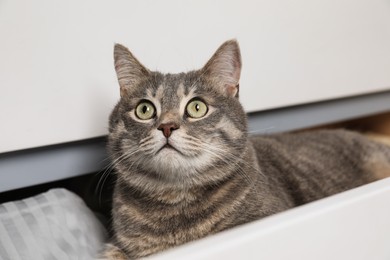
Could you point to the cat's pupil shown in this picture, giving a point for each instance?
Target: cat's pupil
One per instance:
(145, 109)
(197, 107)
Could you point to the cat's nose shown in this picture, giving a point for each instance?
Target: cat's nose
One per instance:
(168, 128)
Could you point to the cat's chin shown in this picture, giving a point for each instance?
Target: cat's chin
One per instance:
(170, 157)
(173, 164)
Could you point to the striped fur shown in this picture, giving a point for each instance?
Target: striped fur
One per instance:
(217, 177)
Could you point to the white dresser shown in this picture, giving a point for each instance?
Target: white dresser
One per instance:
(305, 63)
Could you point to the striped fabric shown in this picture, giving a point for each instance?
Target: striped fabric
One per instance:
(53, 225)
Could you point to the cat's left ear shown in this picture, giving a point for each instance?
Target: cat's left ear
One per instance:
(224, 68)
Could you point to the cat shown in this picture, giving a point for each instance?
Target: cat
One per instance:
(187, 168)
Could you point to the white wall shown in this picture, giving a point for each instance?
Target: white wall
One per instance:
(57, 79)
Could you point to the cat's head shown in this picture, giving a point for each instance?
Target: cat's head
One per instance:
(175, 127)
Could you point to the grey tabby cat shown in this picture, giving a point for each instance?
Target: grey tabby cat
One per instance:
(187, 168)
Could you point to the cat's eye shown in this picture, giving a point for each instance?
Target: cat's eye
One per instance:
(145, 110)
(196, 108)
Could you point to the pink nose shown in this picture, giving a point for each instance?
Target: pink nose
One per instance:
(168, 128)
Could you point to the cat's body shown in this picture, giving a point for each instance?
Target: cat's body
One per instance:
(187, 168)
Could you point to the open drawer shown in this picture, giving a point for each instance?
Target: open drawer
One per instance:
(351, 225)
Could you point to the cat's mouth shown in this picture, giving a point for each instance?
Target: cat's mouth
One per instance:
(168, 146)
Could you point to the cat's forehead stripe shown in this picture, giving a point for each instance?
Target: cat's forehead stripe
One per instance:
(180, 91)
(186, 98)
(154, 99)
(159, 92)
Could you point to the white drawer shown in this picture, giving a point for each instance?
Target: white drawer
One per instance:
(351, 225)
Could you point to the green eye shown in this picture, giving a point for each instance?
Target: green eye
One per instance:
(145, 110)
(196, 108)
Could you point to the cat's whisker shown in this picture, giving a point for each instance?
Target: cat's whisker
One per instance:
(146, 141)
(147, 138)
(195, 144)
(108, 171)
(264, 130)
(192, 138)
(150, 150)
(107, 168)
(231, 159)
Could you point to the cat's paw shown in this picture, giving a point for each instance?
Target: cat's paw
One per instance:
(112, 252)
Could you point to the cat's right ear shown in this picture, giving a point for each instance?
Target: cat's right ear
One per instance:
(128, 69)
